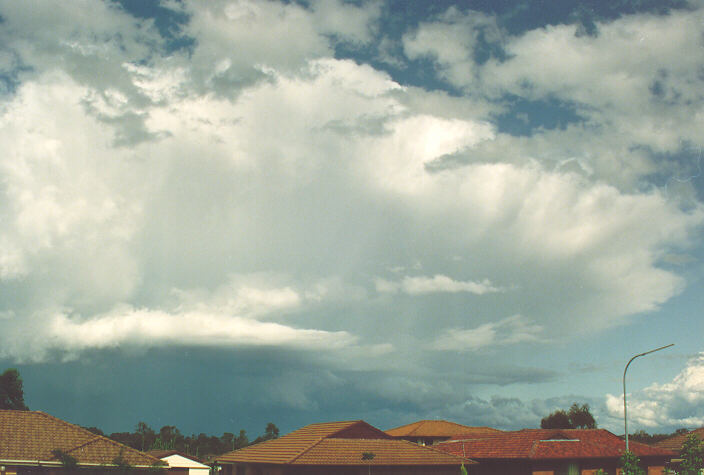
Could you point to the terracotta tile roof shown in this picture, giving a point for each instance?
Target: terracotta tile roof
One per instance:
(386, 452)
(430, 428)
(537, 444)
(339, 443)
(674, 443)
(33, 435)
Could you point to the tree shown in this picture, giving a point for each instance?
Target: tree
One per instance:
(67, 461)
(242, 440)
(630, 464)
(271, 432)
(692, 455)
(578, 417)
(581, 417)
(556, 420)
(94, 430)
(11, 393)
(146, 435)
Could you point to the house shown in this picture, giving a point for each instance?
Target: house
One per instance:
(674, 444)
(553, 452)
(33, 441)
(343, 448)
(430, 432)
(180, 463)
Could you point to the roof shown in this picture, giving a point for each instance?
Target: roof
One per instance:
(543, 444)
(340, 443)
(675, 442)
(429, 428)
(177, 459)
(31, 436)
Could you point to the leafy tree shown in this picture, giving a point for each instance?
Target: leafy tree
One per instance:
(121, 464)
(651, 439)
(11, 393)
(146, 435)
(692, 455)
(271, 432)
(581, 417)
(242, 440)
(228, 440)
(67, 461)
(578, 417)
(630, 464)
(168, 438)
(556, 420)
(95, 430)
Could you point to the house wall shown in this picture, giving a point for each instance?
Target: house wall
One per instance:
(553, 467)
(254, 469)
(29, 470)
(376, 470)
(185, 466)
(492, 467)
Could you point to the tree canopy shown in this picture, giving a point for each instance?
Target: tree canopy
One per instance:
(11, 392)
(201, 445)
(578, 417)
(692, 455)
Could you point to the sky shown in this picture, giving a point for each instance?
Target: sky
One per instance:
(219, 214)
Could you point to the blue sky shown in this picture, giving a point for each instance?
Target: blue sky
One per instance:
(219, 214)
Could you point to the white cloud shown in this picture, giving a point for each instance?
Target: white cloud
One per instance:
(614, 74)
(508, 331)
(348, 21)
(237, 40)
(262, 154)
(155, 328)
(450, 40)
(229, 316)
(674, 405)
(435, 284)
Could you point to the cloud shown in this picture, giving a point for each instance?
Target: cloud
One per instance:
(436, 284)
(671, 405)
(451, 40)
(629, 86)
(229, 316)
(154, 328)
(248, 191)
(509, 331)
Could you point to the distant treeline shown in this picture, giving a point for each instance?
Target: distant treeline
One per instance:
(170, 438)
(644, 437)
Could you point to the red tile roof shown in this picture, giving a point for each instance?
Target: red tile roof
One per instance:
(431, 428)
(674, 443)
(543, 444)
(31, 436)
(340, 443)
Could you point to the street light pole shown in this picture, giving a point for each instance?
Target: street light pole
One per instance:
(625, 414)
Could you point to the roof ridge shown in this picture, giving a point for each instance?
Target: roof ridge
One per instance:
(84, 444)
(307, 449)
(349, 424)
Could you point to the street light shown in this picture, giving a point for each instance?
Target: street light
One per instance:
(625, 416)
